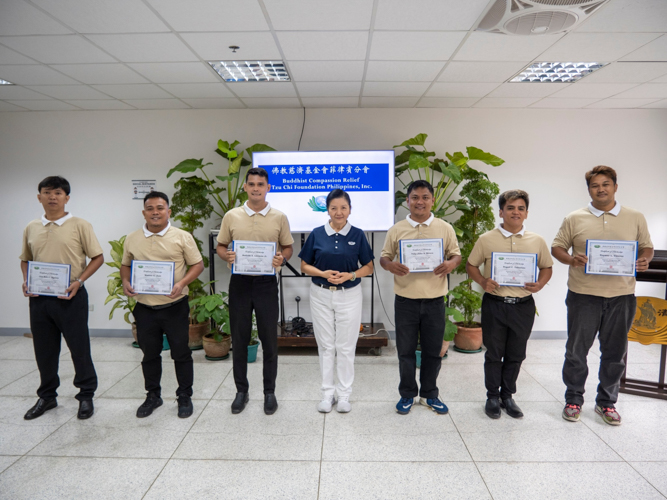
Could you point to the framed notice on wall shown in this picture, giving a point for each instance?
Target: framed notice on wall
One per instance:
(141, 188)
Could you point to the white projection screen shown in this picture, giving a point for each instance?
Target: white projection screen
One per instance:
(301, 180)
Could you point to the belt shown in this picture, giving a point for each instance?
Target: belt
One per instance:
(164, 306)
(332, 288)
(509, 300)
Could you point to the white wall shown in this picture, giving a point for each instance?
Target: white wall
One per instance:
(546, 153)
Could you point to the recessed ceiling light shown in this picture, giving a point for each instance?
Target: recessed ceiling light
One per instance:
(5, 82)
(556, 72)
(251, 71)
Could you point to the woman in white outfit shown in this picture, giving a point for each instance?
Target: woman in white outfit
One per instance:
(332, 255)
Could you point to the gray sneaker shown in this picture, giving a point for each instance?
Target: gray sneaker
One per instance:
(326, 404)
(609, 414)
(572, 413)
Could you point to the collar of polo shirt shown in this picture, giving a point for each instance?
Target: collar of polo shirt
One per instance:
(251, 212)
(330, 230)
(59, 222)
(507, 234)
(427, 222)
(148, 234)
(614, 211)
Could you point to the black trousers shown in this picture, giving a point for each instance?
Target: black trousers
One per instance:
(608, 318)
(49, 318)
(173, 321)
(258, 293)
(420, 320)
(505, 332)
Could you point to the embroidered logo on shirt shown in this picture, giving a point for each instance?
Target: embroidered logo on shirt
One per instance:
(351, 243)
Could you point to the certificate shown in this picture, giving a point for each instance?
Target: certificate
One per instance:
(421, 256)
(254, 257)
(152, 277)
(611, 257)
(513, 269)
(45, 278)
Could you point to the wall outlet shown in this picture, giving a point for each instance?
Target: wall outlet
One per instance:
(91, 307)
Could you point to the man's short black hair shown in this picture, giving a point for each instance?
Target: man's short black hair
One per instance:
(513, 194)
(156, 194)
(257, 171)
(420, 183)
(54, 182)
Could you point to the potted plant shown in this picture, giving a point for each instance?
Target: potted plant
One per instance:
(115, 288)
(214, 308)
(254, 341)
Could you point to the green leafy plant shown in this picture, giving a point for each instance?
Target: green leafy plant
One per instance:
(453, 315)
(115, 283)
(190, 206)
(254, 334)
(214, 307)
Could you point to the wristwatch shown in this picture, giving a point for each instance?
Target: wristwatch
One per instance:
(80, 281)
(354, 275)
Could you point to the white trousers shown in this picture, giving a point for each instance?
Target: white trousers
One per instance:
(336, 320)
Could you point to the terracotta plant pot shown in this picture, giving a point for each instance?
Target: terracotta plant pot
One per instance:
(468, 339)
(134, 332)
(445, 346)
(215, 349)
(197, 332)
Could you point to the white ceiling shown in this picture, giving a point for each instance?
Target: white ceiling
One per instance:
(151, 54)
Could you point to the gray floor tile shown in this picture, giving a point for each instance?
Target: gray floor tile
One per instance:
(237, 479)
(545, 351)
(6, 461)
(21, 348)
(655, 473)
(638, 353)
(8, 338)
(66, 478)
(12, 370)
(374, 382)
(114, 349)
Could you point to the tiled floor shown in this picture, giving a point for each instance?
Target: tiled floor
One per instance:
(298, 453)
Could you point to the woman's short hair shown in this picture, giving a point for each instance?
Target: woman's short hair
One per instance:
(338, 193)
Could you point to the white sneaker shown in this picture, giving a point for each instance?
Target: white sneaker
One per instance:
(325, 405)
(343, 405)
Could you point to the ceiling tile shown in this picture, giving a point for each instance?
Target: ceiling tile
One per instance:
(275, 102)
(527, 89)
(69, 92)
(447, 102)
(654, 51)
(211, 15)
(398, 89)
(185, 72)
(402, 71)
(100, 104)
(580, 90)
(596, 47)
(44, 105)
(324, 46)
(60, 49)
(101, 73)
(157, 104)
(628, 16)
(497, 47)
(16, 92)
(448, 15)
(627, 72)
(197, 90)
(389, 102)
(297, 15)
(20, 18)
(480, 71)
(221, 103)
(657, 104)
(330, 102)
(556, 102)
(647, 90)
(460, 89)
(323, 71)
(134, 91)
(5, 106)
(119, 16)
(33, 75)
(621, 103)
(8, 56)
(263, 89)
(215, 46)
(152, 47)
(329, 89)
(414, 45)
(505, 102)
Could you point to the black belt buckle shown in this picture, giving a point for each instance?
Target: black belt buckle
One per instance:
(511, 300)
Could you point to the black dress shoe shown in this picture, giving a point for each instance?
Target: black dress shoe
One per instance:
(86, 409)
(149, 405)
(492, 408)
(511, 408)
(239, 402)
(185, 407)
(40, 407)
(270, 404)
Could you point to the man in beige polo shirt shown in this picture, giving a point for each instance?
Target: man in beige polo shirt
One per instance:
(419, 305)
(599, 305)
(508, 312)
(60, 238)
(256, 220)
(158, 240)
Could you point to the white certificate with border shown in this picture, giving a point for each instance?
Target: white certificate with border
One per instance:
(45, 278)
(254, 257)
(611, 257)
(421, 256)
(513, 269)
(152, 277)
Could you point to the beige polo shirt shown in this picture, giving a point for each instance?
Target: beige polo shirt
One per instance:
(242, 223)
(620, 223)
(169, 245)
(420, 285)
(499, 240)
(69, 240)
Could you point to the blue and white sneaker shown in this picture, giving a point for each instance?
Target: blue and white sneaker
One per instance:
(435, 404)
(404, 405)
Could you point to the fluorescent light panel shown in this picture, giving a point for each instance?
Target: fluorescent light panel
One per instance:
(5, 82)
(251, 71)
(556, 72)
